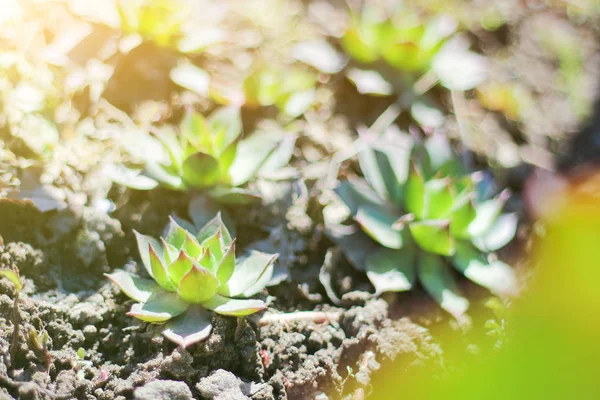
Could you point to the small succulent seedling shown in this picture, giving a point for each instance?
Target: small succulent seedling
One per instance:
(208, 154)
(193, 274)
(425, 214)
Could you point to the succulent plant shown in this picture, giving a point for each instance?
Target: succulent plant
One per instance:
(158, 20)
(209, 155)
(419, 213)
(191, 275)
(415, 45)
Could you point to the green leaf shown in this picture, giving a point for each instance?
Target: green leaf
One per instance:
(386, 169)
(160, 307)
(252, 152)
(179, 268)
(280, 157)
(438, 199)
(499, 235)
(131, 178)
(250, 276)
(159, 271)
(135, 287)
(194, 129)
(234, 307)
(356, 192)
(192, 327)
(356, 245)
(13, 277)
(192, 247)
(201, 170)
(198, 285)
(176, 235)
(462, 215)
(192, 78)
(361, 42)
(414, 194)
(437, 280)
(172, 146)
(486, 214)
(215, 244)
(233, 195)
(229, 121)
(143, 241)
(161, 174)
(227, 266)
(433, 236)
(392, 270)
(497, 276)
(377, 222)
(298, 102)
(211, 228)
(170, 252)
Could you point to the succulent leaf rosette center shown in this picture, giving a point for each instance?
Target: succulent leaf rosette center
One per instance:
(192, 274)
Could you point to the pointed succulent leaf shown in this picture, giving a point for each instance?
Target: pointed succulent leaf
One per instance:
(172, 146)
(355, 244)
(229, 121)
(437, 280)
(414, 193)
(499, 235)
(433, 236)
(192, 247)
(234, 307)
(176, 235)
(257, 267)
(252, 152)
(378, 221)
(438, 199)
(195, 129)
(135, 287)
(165, 175)
(463, 213)
(486, 214)
(201, 170)
(263, 280)
(13, 277)
(143, 241)
(227, 266)
(159, 271)
(392, 270)
(233, 195)
(497, 276)
(212, 227)
(160, 307)
(386, 169)
(130, 178)
(356, 192)
(179, 268)
(170, 252)
(280, 157)
(191, 327)
(215, 244)
(198, 285)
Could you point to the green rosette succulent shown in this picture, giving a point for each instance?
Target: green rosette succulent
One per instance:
(419, 215)
(209, 154)
(191, 275)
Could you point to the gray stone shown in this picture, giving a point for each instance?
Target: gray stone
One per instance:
(163, 390)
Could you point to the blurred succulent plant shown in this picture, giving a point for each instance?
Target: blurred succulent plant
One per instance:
(157, 20)
(414, 45)
(193, 274)
(291, 90)
(422, 213)
(208, 154)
